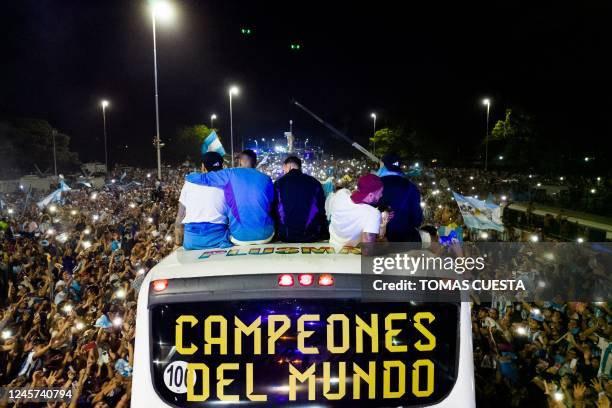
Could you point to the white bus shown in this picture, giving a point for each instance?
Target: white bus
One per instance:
(286, 325)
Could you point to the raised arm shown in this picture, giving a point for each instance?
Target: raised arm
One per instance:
(178, 225)
(212, 179)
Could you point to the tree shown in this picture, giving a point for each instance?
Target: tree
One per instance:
(515, 139)
(188, 142)
(394, 140)
(518, 126)
(29, 142)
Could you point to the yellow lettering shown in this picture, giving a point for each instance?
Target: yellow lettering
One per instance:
(295, 375)
(274, 333)
(330, 333)
(423, 330)
(415, 378)
(253, 328)
(391, 333)
(341, 381)
(371, 330)
(210, 339)
(222, 382)
(320, 250)
(304, 334)
(350, 250)
(179, 334)
(287, 250)
(369, 378)
(249, 385)
(401, 379)
(203, 369)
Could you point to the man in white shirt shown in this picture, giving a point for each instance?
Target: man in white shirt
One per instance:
(354, 219)
(605, 365)
(201, 222)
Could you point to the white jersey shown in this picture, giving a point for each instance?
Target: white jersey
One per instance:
(203, 204)
(349, 220)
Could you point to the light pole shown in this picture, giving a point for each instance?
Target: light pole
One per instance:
(53, 133)
(159, 9)
(232, 91)
(487, 102)
(104, 104)
(212, 119)
(373, 116)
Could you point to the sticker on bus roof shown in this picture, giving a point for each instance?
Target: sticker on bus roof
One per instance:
(284, 250)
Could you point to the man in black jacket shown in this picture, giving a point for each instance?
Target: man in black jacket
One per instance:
(299, 205)
(403, 198)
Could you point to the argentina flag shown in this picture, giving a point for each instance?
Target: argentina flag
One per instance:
(213, 144)
(54, 197)
(479, 214)
(64, 186)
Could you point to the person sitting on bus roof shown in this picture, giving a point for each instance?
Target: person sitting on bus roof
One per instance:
(299, 205)
(248, 194)
(404, 199)
(354, 219)
(202, 212)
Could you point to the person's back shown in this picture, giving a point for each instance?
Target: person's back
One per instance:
(404, 199)
(299, 205)
(248, 194)
(353, 217)
(203, 212)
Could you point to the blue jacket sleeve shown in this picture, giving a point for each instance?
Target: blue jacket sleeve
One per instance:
(212, 179)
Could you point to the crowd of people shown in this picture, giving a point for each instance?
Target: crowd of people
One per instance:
(70, 271)
(69, 279)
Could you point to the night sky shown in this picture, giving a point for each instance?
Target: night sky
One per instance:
(423, 67)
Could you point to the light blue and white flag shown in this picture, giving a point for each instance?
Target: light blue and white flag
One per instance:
(54, 197)
(213, 144)
(479, 214)
(64, 186)
(264, 161)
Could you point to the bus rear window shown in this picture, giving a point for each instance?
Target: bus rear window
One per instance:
(300, 351)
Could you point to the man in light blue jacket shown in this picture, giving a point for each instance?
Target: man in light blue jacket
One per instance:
(248, 194)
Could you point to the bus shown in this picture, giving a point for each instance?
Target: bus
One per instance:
(286, 325)
(558, 223)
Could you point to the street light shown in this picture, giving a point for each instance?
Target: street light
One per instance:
(53, 133)
(163, 11)
(373, 116)
(232, 91)
(212, 118)
(104, 105)
(487, 102)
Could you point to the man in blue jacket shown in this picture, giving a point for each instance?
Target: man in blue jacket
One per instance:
(248, 195)
(299, 205)
(403, 198)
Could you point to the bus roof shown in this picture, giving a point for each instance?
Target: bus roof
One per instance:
(259, 259)
(584, 219)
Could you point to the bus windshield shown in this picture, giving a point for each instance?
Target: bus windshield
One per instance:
(295, 351)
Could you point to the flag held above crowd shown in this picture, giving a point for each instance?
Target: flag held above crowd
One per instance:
(212, 143)
(55, 196)
(479, 214)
